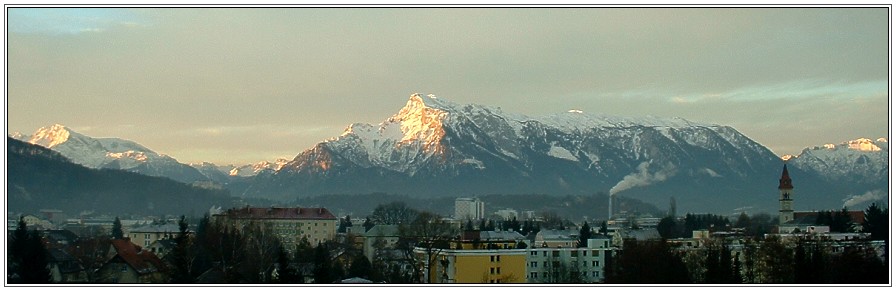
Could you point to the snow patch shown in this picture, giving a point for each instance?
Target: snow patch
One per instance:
(477, 163)
(562, 153)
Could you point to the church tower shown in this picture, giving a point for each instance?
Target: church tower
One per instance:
(786, 188)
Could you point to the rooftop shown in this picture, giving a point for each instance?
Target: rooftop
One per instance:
(279, 213)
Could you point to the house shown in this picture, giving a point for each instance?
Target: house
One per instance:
(64, 268)
(379, 237)
(162, 247)
(636, 234)
(551, 238)
(60, 238)
(144, 236)
(131, 264)
(317, 225)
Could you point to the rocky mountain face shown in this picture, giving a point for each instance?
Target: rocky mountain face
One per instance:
(434, 147)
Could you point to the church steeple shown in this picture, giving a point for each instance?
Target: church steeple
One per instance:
(785, 182)
(785, 186)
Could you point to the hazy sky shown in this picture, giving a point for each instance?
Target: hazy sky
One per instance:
(243, 85)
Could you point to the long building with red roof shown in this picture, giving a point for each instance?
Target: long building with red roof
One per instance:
(291, 224)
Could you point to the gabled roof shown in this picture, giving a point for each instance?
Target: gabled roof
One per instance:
(280, 213)
(61, 235)
(383, 230)
(554, 234)
(641, 234)
(144, 262)
(158, 228)
(66, 262)
(168, 243)
(500, 236)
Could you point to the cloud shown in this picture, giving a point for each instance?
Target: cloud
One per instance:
(793, 90)
(70, 20)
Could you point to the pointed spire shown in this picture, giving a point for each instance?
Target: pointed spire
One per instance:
(785, 182)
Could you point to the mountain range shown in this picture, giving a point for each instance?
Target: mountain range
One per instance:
(436, 148)
(39, 178)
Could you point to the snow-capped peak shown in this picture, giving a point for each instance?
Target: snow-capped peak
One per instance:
(19, 136)
(51, 136)
(253, 169)
(863, 145)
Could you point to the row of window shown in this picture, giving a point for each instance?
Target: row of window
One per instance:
(557, 264)
(534, 275)
(495, 271)
(294, 224)
(572, 253)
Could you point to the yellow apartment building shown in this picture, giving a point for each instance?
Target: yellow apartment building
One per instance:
(498, 266)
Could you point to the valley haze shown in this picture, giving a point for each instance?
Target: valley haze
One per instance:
(433, 148)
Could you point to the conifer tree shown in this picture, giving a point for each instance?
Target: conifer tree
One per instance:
(117, 233)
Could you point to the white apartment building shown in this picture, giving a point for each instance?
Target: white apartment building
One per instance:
(555, 264)
(469, 209)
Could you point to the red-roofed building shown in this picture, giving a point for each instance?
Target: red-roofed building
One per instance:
(129, 263)
(290, 224)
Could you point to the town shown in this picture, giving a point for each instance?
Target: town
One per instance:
(396, 244)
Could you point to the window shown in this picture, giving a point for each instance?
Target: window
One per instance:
(492, 271)
(555, 253)
(533, 253)
(146, 236)
(555, 264)
(491, 281)
(595, 274)
(595, 253)
(491, 258)
(497, 258)
(595, 264)
(533, 275)
(498, 281)
(498, 270)
(573, 254)
(584, 253)
(533, 264)
(545, 254)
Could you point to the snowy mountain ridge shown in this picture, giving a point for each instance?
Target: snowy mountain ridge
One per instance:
(111, 153)
(861, 159)
(433, 146)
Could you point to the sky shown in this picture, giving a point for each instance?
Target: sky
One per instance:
(234, 86)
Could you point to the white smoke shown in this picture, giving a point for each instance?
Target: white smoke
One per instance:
(867, 197)
(643, 178)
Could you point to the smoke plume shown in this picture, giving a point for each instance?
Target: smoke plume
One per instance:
(869, 196)
(643, 177)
